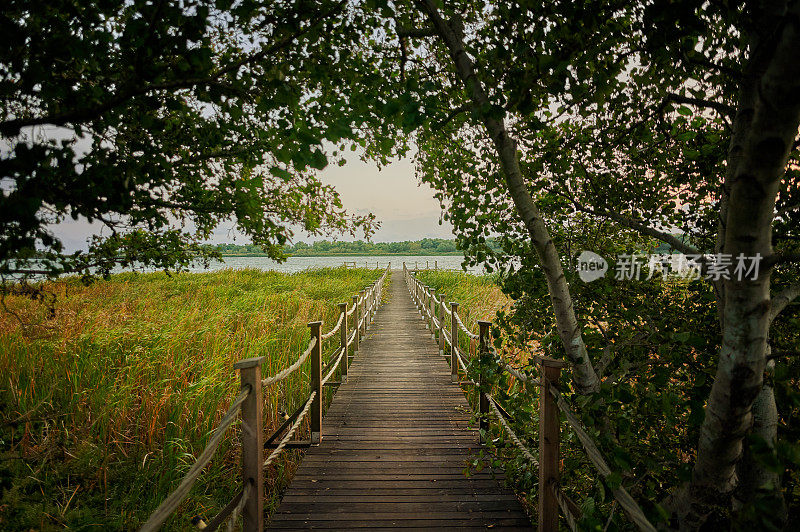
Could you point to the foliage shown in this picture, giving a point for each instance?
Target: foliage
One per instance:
(426, 246)
(614, 117)
(165, 119)
(118, 392)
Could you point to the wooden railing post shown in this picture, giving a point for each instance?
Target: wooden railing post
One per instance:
(483, 353)
(316, 382)
(432, 310)
(363, 312)
(549, 441)
(367, 309)
(252, 443)
(442, 314)
(343, 332)
(425, 305)
(373, 298)
(454, 342)
(356, 330)
(372, 303)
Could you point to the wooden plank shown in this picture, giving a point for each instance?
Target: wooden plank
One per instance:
(396, 441)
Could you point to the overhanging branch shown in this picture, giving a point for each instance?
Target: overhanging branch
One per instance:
(720, 107)
(782, 300)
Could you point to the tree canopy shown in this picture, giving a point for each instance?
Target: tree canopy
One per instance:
(555, 127)
(160, 120)
(564, 121)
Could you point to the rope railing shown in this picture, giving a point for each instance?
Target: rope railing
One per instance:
(622, 496)
(460, 355)
(511, 434)
(551, 496)
(172, 501)
(290, 433)
(249, 502)
(465, 329)
(335, 328)
(514, 372)
(291, 369)
(334, 366)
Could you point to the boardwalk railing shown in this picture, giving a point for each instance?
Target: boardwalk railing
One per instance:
(351, 264)
(446, 325)
(249, 501)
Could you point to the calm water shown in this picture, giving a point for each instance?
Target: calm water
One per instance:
(296, 264)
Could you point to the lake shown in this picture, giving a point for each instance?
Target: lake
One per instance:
(296, 264)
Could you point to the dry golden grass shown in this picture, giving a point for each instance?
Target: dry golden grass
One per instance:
(106, 403)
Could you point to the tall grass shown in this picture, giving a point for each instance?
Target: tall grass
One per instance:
(105, 404)
(479, 297)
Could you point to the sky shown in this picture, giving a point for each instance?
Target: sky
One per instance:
(406, 209)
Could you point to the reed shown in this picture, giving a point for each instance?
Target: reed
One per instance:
(105, 404)
(479, 297)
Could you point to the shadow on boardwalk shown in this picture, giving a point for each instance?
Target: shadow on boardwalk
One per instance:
(395, 443)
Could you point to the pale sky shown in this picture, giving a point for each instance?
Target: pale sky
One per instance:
(407, 210)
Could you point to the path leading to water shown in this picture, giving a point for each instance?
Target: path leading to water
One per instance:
(396, 442)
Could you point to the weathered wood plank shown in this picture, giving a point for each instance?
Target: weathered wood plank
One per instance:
(395, 443)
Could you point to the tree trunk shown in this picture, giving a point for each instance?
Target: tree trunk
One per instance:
(753, 476)
(757, 161)
(586, 380)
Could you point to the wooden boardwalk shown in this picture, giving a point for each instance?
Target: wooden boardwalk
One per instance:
(395, 443)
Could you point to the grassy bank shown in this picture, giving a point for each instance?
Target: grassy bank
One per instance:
(478, 296)
(105, 404)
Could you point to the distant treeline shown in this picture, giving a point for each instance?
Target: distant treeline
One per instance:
(426, 246)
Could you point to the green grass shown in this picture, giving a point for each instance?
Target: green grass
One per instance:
(105, 405)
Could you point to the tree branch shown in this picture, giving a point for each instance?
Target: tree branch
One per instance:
(720, 107)
(10, 128)
(640, 227)
(780, 258)
(415, 33)
(454, 113)
(782, 300)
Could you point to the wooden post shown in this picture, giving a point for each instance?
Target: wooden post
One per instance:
(356, 330)
(363, 312)
(453, 342)
(373, 298)
(425, 305)
(436, 265)
(432, 307)
(549, 441)
(252, 443)
(316, 382)
(367, 308)
(343, 331)
(442, 314)
(483, 353)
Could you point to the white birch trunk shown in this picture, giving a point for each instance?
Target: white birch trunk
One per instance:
(585, 378)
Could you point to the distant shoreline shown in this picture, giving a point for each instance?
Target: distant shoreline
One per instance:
(448, 254)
